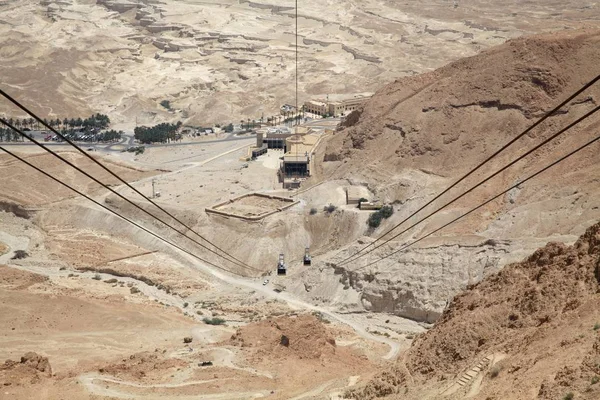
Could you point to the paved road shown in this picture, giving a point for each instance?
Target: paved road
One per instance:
(227, 139)
(128, 141)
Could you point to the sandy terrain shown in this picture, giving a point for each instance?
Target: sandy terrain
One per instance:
(103, 338)
(123, 61)
(95, 308)
(44, 190)
(97, 273)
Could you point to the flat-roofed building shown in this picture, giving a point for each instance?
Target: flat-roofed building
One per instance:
(297, 161)
(353, 104)
(353, 194)
(336, 108)
(338, 105)
(316, 107)
(273, 138)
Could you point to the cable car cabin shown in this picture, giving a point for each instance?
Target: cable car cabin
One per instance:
(281, 268)
(307, 258)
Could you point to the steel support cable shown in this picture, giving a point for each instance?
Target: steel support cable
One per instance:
(22, 107)
(532, 150)
(485, 203)
(297, 109)
(6, 123)
(481, 164)
(116, 213)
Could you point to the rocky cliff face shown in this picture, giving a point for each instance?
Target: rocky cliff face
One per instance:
(537, 321)
(418, 135)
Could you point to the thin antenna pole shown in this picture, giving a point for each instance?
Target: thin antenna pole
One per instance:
(297, 63)
(297, 109)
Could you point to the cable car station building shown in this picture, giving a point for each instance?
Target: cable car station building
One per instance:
(298, 160)
(299, 148)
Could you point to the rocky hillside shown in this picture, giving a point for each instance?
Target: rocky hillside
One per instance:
(537, 320)
(445, 122)
(419, 134)
(440, 120)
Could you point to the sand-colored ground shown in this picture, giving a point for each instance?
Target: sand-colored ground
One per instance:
(225, 61)
(107, 307)
(124, 303)
(102, 338)
(30, 188)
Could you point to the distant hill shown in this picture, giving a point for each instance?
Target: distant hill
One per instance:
(445, 122)
(418, 135)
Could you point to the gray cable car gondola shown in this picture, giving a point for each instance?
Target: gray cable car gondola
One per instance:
(281, 268)
(307, 258)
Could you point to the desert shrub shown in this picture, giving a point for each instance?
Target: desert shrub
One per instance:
(214, 321)
(595, 379)
(185, 305)
(386, 211)
(596, 326)
(136, 149)
(112, 280)
(375, 219)
(166, 104)
(120, 274)
(569, 396)
(362, 199)
(134, 290)
(19, 255)
(97, 277)
(188, 339)
(313, 211)
(329, 208)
